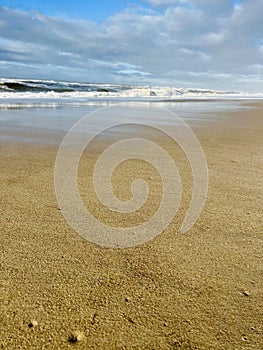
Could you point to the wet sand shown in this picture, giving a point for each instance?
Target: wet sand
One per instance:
(201, 290)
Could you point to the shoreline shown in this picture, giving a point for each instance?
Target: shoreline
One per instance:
(73, 102)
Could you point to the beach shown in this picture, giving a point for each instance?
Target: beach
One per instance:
(199, 290)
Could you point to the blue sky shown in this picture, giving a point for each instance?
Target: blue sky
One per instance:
(93, 10)
(184, 43)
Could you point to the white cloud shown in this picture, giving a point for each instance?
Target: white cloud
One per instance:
(238, 9)
(163, 2)
(133, 72)
(214, 38)
(210, 75)
(195, 54)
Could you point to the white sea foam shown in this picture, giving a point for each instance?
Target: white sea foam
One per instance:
(48, 91)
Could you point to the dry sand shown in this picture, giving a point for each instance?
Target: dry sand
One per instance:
(202, 290)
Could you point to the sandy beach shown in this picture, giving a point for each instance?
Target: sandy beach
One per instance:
(201, 290)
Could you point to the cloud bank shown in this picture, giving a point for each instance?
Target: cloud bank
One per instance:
(199, 43)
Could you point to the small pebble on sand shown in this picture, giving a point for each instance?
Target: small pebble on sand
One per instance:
(246, 293)
(75, 337)
(32, 324)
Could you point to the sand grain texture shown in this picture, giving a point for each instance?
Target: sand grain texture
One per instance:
(202, 290)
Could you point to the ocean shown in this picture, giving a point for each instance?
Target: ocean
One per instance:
(74, 92)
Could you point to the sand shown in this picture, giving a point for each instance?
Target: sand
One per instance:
(201, 290)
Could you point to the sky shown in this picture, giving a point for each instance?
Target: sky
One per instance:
(209, 44)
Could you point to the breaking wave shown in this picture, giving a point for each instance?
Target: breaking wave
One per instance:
(53, 90)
